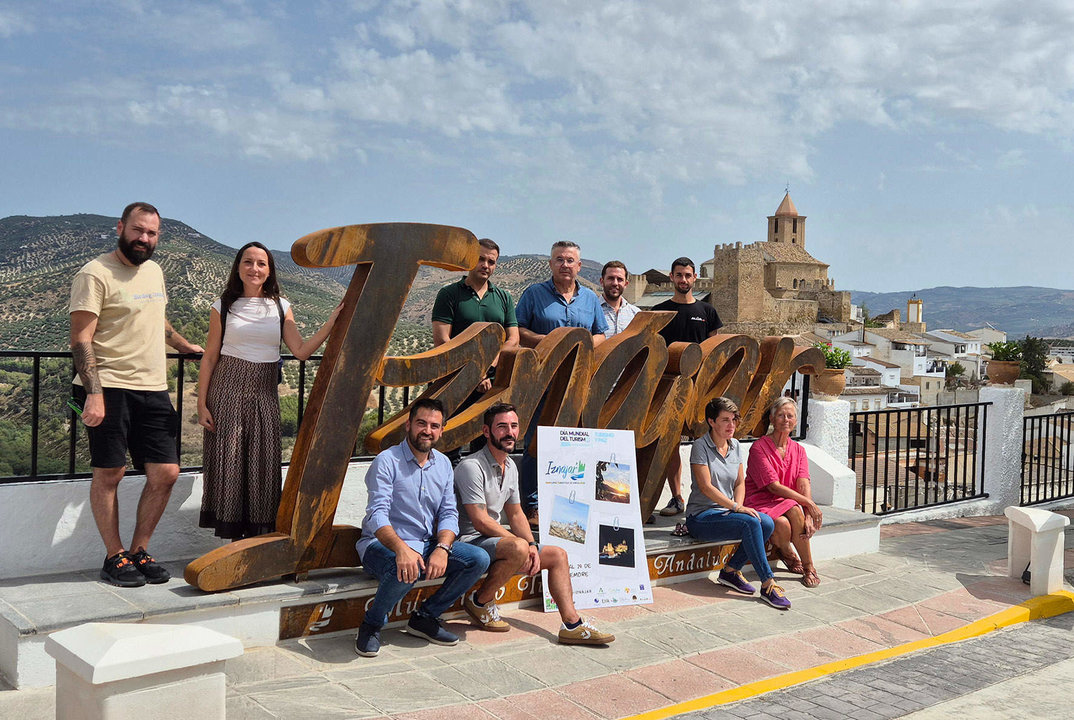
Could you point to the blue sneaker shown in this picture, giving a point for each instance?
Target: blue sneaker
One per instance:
(774, 596)
(428, 627)
(367, 642)
(736, 581)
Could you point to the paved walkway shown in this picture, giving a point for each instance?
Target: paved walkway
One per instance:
(1018, 673)
(695, 640)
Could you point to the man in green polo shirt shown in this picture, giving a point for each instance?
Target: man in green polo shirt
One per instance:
(475, 299)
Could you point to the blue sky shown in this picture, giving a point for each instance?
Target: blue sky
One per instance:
(928, 143)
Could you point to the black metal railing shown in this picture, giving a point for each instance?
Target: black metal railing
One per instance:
(41, 437)
(1047, 457)
(918, 457)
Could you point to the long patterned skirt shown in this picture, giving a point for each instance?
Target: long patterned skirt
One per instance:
(242, 477)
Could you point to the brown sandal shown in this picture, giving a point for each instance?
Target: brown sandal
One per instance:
(810, 578)
(792, 561)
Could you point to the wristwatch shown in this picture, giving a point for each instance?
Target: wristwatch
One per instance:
(445, 548)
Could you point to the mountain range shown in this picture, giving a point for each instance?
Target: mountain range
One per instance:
(1020, 311)
(39, 255)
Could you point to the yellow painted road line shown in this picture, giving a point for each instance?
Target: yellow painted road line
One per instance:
(1037, 608)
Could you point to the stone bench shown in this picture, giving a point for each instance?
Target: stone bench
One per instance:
(1035, 539)
(327, 601)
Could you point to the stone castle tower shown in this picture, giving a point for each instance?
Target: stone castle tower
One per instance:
(774, 287)
(771, 287)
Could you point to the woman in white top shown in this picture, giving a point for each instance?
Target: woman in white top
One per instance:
(238, 396)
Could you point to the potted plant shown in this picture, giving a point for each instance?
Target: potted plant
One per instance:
(828, 383)
(1006, 362)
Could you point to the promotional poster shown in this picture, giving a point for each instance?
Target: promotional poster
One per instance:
(587, 483)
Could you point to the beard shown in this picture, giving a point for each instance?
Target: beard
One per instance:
(684, 287)
(135, 250)
(421, 442)
(613, 292)
(504, 444)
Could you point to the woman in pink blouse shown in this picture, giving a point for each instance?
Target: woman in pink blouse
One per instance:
(777, 484)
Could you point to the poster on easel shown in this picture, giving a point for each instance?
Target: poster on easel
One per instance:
(587, 485)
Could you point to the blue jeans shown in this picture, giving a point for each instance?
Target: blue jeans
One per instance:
(465, 565)
(715, 525)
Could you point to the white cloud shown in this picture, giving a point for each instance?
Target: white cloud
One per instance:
(1011, 159)
(13, 23)
(618, 94)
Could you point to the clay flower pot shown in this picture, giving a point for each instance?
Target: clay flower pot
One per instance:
(828, 384)
(1003, 372)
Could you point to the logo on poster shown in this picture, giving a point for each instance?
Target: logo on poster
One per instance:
(574, 471)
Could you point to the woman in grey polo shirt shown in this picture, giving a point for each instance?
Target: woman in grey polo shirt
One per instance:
(715, 511)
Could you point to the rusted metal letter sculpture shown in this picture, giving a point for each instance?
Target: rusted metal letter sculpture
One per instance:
(387, 258)
(631, 381)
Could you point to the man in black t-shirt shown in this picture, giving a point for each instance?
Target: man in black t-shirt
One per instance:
(694, 322)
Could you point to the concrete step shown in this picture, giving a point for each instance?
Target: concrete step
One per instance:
(329, 601)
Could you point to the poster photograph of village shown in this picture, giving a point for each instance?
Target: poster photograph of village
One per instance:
(616, 546)
(569, 520)
(613, 481)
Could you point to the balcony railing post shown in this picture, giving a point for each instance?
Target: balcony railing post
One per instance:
(179, 409)
(35, 414)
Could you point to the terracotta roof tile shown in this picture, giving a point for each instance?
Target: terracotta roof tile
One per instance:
(897, 336)
(787, 208)
(881, 363)
(787, 252)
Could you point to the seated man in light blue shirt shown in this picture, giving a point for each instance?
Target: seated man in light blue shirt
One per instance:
(410, 525)
(560, 301)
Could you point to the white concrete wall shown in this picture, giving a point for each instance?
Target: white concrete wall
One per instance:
(47, 527)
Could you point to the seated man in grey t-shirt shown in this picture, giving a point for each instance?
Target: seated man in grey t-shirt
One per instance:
(486, 483)
(715, 511)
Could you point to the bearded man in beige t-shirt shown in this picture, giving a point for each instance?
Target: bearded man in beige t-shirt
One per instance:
(118, 334)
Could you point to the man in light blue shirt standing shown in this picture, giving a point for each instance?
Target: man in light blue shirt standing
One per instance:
(409, 530)
(560, 301)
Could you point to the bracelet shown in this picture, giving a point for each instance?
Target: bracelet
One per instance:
(734, 508)
(533, 543)
(445, 548)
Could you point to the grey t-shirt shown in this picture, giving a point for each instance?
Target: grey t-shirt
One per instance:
(478, 481)
(722, 470)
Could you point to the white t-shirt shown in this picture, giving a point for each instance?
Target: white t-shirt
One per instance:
(253, 329)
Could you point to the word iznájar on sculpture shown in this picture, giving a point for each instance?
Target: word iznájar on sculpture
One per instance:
(632, 381)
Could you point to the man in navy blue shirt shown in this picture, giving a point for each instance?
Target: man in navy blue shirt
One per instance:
(560, 301)
(409, 530)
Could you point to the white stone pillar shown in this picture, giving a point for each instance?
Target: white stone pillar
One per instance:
(999, 447)
(117, 671)
(829, 427)
(1035, 538)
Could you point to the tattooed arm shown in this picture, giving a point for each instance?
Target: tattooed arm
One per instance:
(177, 342)
(83, 325)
